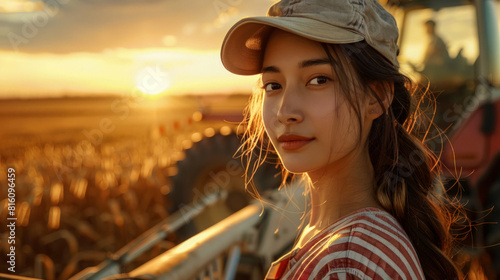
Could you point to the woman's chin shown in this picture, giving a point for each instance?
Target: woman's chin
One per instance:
(296, 167)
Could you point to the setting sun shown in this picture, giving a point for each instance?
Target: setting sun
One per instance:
(152, 80)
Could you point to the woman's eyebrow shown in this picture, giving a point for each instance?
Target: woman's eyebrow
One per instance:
(271, 69)
(303, 64)
(314, 62)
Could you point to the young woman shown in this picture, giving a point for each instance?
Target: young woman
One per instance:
(336, 111)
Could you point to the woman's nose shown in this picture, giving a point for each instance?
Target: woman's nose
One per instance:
(289, 110)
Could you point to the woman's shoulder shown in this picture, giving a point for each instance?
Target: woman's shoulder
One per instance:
(368, 243)
(367, 219)
(371, 222)
(371, 229)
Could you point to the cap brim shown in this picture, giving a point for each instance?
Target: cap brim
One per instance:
(242, 49)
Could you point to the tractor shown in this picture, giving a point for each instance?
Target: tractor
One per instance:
(452, 48)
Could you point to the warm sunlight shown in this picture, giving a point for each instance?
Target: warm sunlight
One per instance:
(152, 80)
(118, 71)
(20, 6)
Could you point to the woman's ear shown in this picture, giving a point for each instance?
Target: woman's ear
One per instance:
(380, 99)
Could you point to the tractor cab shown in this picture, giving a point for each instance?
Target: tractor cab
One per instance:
(452, 48)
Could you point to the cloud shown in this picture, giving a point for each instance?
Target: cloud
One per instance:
(66, 26)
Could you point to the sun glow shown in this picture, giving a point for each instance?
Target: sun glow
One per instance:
(118, 71)
(152, 80)
(20, 6)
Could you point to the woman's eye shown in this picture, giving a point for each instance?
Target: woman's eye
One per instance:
(272, 86)
(319, 80)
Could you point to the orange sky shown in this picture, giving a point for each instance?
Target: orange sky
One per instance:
(116, 71)
(76, 47)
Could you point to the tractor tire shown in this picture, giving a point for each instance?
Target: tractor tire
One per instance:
(209, 167)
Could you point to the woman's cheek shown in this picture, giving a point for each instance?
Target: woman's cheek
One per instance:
(268, 120)
(269, 114)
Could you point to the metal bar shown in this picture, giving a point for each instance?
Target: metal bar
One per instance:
(148, 239)
(211, 271)
(218, 265)
(489, 42)
(232, 263)
(170, 224)
(188, 258)
(191, 259)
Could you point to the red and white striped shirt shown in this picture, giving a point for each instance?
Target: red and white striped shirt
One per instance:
(366, 244)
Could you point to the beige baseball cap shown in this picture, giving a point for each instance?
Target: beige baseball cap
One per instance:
(327, 21)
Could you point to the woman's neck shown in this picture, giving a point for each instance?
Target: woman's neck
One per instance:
(341, 188)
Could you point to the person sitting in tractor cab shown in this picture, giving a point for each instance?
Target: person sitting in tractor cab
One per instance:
(436, 59)
(446, 76)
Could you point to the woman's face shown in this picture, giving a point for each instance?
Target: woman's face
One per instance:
(308, 120)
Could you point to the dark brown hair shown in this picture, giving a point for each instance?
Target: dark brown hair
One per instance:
(405, 170)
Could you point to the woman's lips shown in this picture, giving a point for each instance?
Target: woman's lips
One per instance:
(292, 142)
